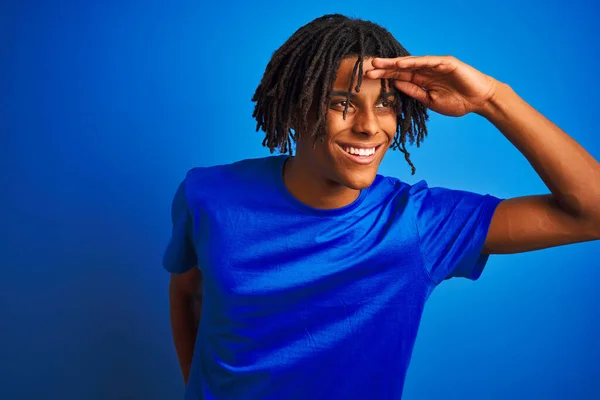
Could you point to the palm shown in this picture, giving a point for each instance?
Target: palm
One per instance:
(444, 84)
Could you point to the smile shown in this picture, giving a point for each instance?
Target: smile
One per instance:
(363, 155)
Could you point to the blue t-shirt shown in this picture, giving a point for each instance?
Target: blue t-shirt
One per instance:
(304, 303)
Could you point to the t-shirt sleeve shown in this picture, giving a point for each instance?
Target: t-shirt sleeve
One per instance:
(452, 227)
(180, 255)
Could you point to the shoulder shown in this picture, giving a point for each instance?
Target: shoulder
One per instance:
(232, 179)
(422, 190)
(424, 198)
(235, 172)
(396, 187)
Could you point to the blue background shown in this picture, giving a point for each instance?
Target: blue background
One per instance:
(105, 106)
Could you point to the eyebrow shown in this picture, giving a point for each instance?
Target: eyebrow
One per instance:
(344, 93)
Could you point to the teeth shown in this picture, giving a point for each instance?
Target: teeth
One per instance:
(360, 152)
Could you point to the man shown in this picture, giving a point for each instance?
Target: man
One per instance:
(313, 269)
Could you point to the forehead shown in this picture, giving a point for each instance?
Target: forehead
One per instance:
(344, 74)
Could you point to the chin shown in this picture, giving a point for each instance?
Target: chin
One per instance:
(358, 181)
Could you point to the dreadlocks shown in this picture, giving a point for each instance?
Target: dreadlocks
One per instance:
(301, 72)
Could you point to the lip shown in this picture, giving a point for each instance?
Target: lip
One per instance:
(362, 160)
(359, 145)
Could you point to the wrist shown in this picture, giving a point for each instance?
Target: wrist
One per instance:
(494, 107)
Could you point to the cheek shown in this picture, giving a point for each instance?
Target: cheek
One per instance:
(389, 121)
(336, 124)
(389, 125)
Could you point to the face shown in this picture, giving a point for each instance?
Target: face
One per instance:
(353, 147)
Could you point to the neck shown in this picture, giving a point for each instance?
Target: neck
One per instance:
(314, 190)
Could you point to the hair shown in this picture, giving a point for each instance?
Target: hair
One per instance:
(301, 72)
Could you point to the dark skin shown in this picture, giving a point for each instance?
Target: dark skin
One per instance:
(185, 300)
(323, 176)
(320, 177)
(570, 213)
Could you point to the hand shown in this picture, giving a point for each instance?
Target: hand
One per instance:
(443, 84)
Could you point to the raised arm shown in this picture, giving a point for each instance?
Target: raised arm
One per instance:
(570, 213)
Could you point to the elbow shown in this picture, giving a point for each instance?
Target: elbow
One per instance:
(591, 227)
(596, 229)
(593, 222)
(587, 213)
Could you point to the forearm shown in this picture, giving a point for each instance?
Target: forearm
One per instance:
(568, 170)
(185, 316)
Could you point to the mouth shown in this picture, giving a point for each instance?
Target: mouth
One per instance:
(360, 154)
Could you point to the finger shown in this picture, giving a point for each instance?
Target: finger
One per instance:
(379, 62)
(408, 76)
(412, 90)
(390, 74)
(437, 63)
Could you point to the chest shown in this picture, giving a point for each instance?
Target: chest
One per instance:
(256, 257)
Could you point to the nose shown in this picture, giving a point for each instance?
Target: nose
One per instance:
(366, 123)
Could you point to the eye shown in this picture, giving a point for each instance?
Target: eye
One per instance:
(386, 104)
(340, 105)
